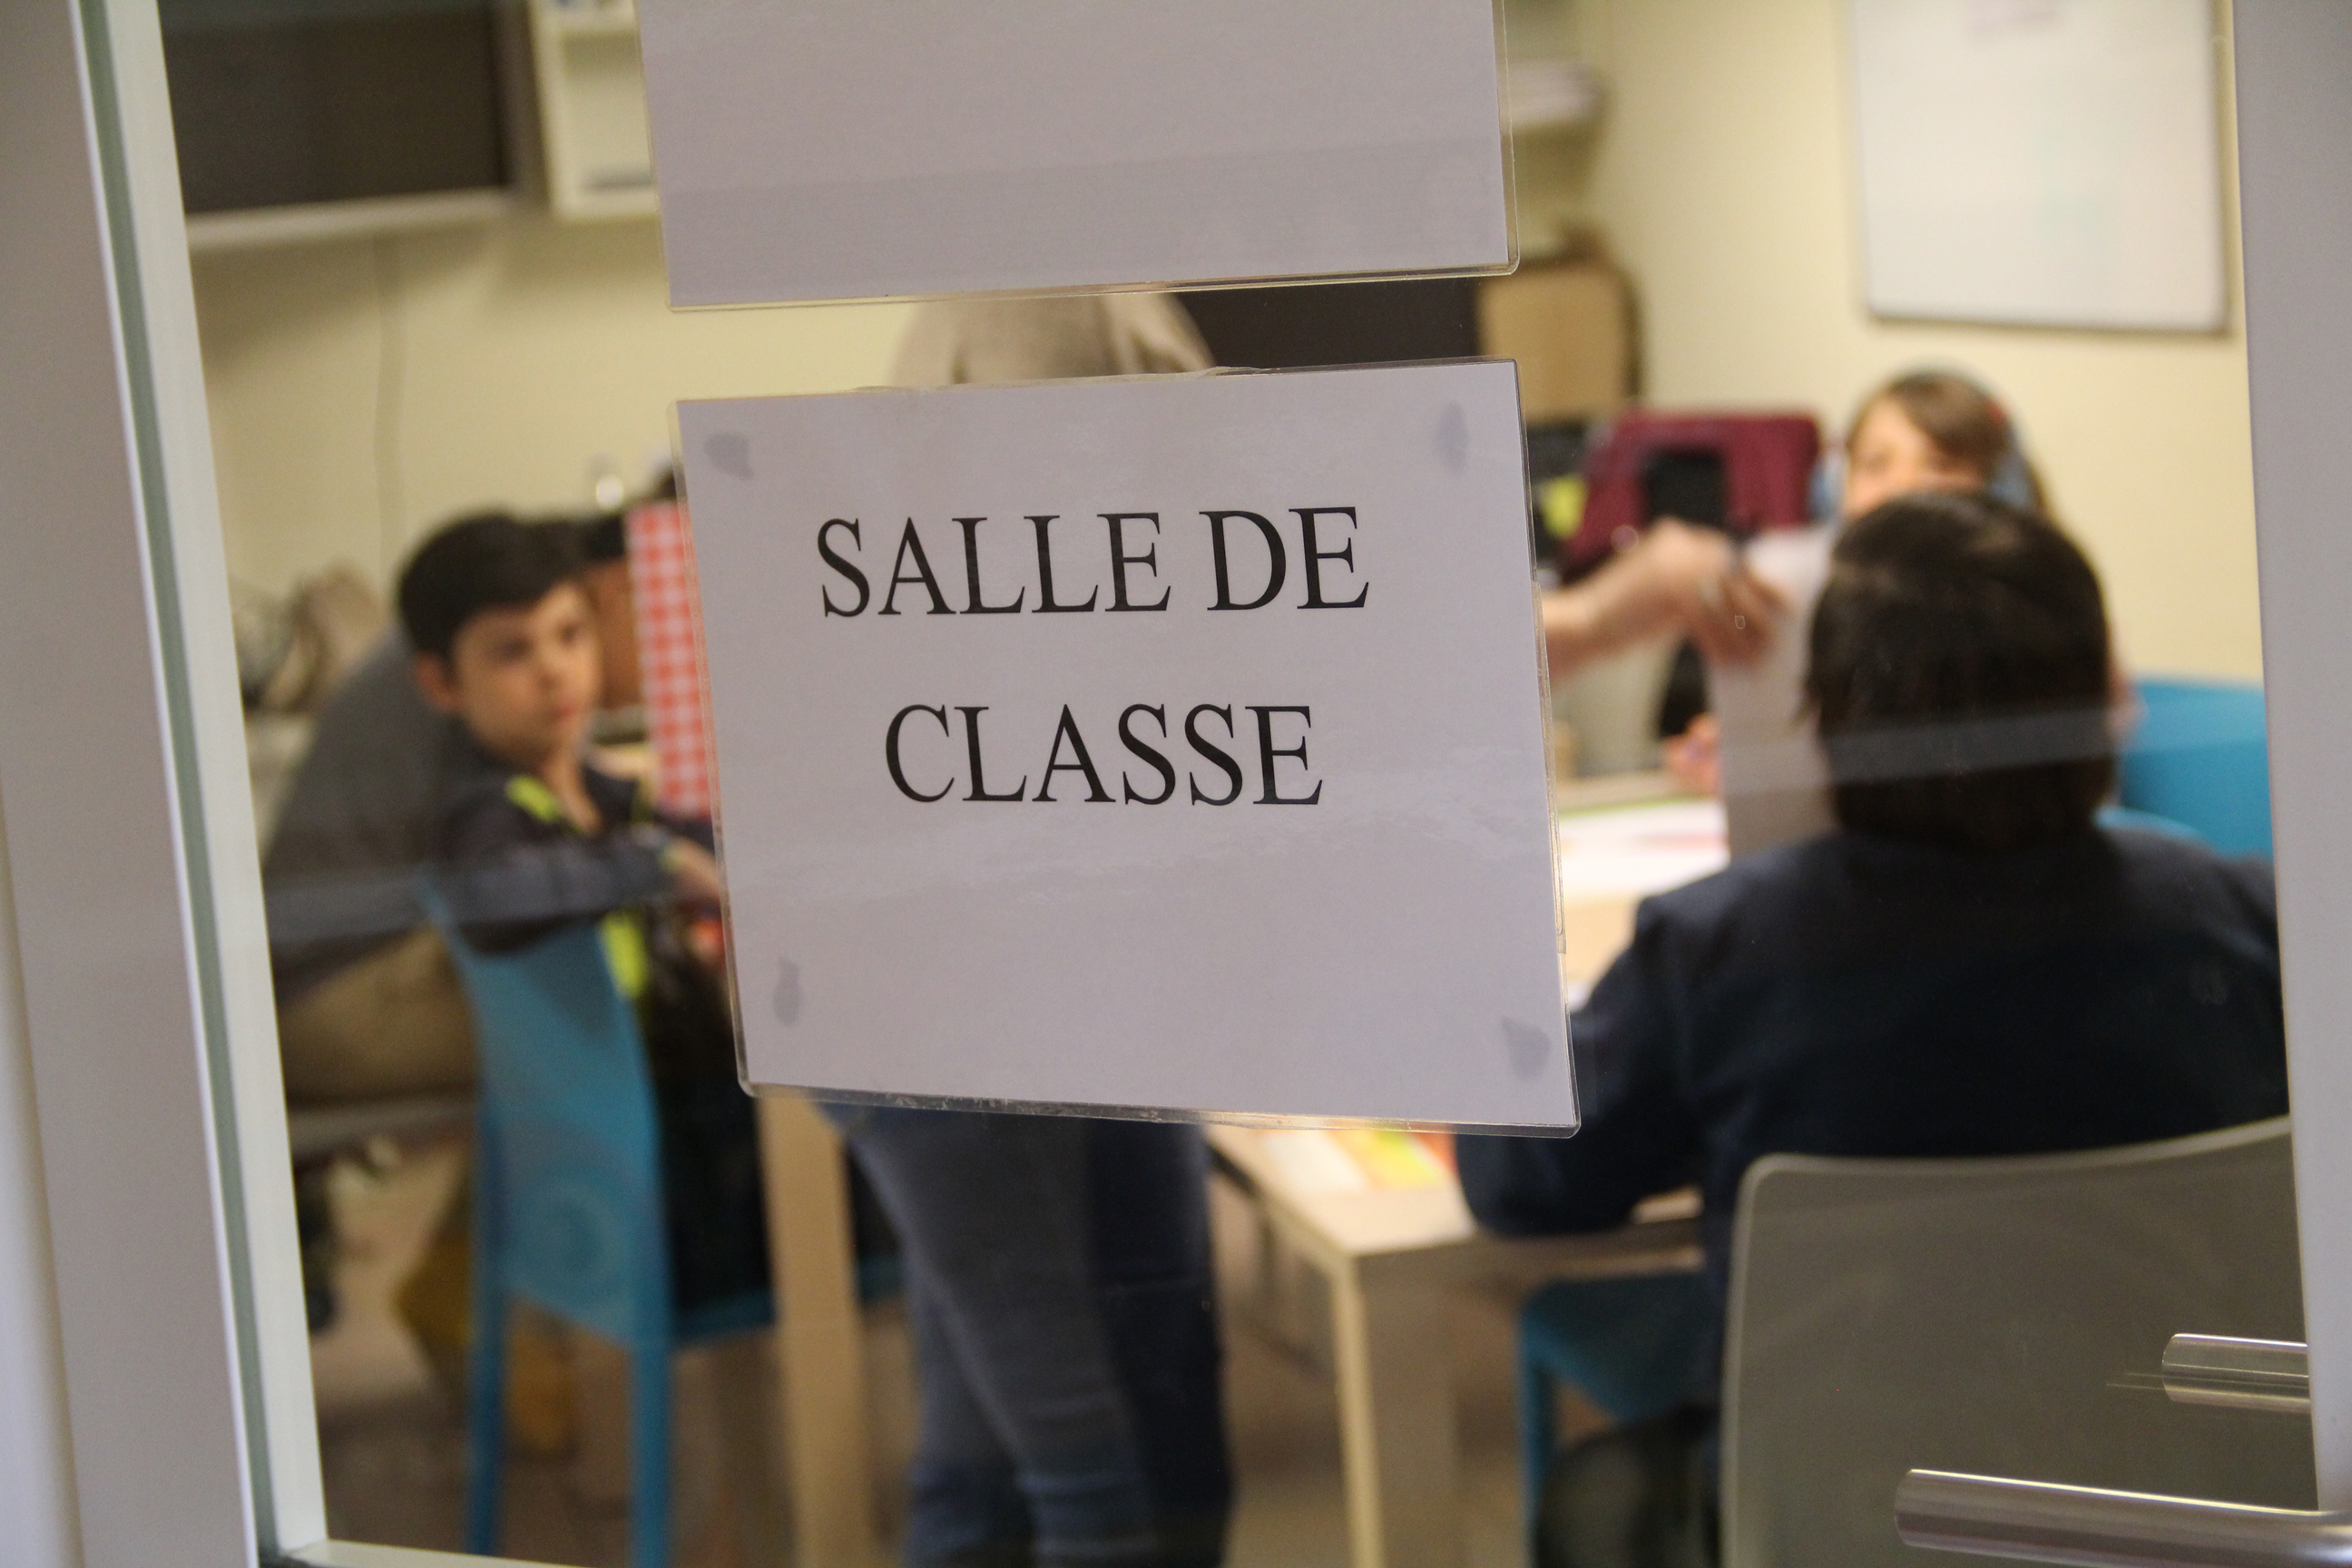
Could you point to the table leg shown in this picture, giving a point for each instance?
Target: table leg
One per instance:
(820, 1337)
(1396, 1423)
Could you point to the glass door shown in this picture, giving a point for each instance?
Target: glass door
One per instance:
(1942, 739)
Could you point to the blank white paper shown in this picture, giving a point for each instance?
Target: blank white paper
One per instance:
(866, 149)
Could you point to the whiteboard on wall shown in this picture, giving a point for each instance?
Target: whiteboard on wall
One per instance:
(2041, 163)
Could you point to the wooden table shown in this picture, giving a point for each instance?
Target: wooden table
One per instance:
(820, 1338)
(1622, 839)
(1392, 1258)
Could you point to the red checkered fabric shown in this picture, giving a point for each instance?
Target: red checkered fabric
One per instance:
(669, 653)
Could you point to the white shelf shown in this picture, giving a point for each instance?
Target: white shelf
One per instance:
(1549, 95)
(591, 109)
(209, 233)
(591, 20)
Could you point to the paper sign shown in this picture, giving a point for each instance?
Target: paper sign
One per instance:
(1172, 744)
(863, 149)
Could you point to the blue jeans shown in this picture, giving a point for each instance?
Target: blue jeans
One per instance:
(1059, 1290)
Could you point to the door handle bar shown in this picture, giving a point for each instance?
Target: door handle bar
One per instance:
(2241, 1375)
(2040, 1522)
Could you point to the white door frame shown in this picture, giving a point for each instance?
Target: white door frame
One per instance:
(2295, 170)
(139, 949)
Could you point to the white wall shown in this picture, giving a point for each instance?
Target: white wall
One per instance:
(362, 390)
(1722, 177)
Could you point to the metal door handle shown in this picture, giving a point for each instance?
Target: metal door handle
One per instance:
(2040, 1522)
(2243, 1374)
(2043, 1523)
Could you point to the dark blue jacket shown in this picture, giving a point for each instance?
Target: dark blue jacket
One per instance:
(1855, 995)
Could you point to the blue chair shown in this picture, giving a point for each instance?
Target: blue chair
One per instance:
(568, 1209)
(1635, 1347)
(2200, 757)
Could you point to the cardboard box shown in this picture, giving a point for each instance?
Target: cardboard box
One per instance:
(1569, 326)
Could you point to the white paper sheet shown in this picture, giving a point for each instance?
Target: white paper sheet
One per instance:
(863, 149)
(1389, 951)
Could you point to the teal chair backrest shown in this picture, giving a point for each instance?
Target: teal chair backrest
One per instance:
(2200, 757)
(570, 1149)
(568, 1206)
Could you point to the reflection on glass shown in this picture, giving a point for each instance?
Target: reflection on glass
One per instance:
(1941, 828)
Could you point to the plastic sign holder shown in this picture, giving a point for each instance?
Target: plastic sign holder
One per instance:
(1163, 746)
(819, 150)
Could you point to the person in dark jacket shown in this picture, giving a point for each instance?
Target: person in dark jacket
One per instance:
(1968, 965)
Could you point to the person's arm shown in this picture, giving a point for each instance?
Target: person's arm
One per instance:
(1639, 1136)
(1677, 578)
(508, 881)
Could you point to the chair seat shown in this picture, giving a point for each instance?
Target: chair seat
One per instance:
(1636, 1348)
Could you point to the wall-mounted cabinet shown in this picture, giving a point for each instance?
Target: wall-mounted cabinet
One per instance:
(1549, 82)
(599, 152)
(592, 109)
(1549, 93)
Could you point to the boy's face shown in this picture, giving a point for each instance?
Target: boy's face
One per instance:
(522, 680)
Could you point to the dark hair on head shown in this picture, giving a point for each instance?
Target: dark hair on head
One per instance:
(1966, 423)
(601, 537)
(492, 561)
(1959, 675)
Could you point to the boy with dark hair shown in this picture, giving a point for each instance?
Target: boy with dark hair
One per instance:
(504, 642)
(367, 1007)
(1968, 965)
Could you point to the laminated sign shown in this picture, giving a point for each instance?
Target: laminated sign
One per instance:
(858, 149)
(1172, 744)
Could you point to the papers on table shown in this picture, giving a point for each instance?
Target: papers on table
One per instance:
(1354, 1160)
(1631, 852)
